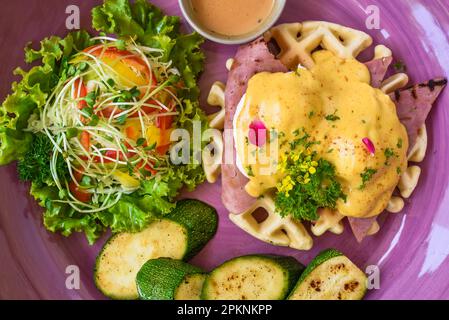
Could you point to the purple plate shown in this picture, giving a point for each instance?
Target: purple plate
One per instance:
(411, 248)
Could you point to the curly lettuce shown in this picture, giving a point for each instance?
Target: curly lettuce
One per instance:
(148, 26)
(31, 93)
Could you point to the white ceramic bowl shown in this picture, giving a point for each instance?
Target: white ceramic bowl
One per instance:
(189, 15)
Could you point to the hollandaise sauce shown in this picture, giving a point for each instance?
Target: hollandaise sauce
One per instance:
(232, 17)
(353, 126)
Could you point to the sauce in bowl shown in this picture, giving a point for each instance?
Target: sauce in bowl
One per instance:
(232, 17)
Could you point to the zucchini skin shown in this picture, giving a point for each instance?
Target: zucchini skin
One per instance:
(158, 279)
(322, 257)
(200, 221)
(99, 261)
(173, 249)
(291, 268)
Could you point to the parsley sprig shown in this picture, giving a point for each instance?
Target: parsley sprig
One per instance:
(332, 117)
(309, 184)
(367, 176)
(389, 153)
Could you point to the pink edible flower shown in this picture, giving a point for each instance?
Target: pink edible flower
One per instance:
(257, 133)
(369, 145)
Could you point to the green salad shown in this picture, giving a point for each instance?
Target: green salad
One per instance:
(90, 125)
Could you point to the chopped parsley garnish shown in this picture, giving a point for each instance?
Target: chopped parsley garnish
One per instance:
(389, 153)
(303, 141)
(35, 164)
(366, 176)
(311, 114)
(332, 117)
(309, 184)
(398, 170)
(399, 144)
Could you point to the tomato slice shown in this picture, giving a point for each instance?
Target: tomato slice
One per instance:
(114, 155)
(147, 167)
(79, 193)
(80, 92)
(127, 57)
(85, 140)
(162, 150)
(164, 122)
(78, 175)
(107, 111)
(97, 159)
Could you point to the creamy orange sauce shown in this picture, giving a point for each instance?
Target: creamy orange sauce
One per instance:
(232, 17)
(286, 102)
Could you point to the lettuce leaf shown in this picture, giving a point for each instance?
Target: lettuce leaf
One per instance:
(60, 217)
(12, 145)
(31, 93)
(127, 216)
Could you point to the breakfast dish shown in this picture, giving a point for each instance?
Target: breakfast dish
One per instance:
(318, 138)
(341, 136)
